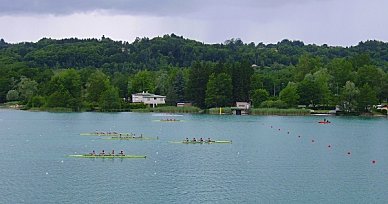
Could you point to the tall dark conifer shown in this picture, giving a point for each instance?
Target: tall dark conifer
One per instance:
(198, 78)
(241, 79)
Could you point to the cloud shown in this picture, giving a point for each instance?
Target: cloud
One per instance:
(136, 7)
(333, 22)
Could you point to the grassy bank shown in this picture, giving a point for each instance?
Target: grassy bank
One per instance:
(170, 109)
(216, 111)
(55, 109)
(276, 111)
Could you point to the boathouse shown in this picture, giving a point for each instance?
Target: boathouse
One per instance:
(242, 108)
(148, 99)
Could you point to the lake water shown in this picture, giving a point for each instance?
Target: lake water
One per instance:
(266, 163)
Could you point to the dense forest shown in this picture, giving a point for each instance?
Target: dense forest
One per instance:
(90, 74)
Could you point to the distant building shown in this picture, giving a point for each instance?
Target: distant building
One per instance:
(148, 99)
(242, 108)
(183, 104)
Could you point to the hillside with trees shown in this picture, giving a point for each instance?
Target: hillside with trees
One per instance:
(96, 74)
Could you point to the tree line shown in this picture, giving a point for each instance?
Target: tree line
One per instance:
(100, 73)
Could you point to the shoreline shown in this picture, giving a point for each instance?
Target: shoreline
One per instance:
(206, 111)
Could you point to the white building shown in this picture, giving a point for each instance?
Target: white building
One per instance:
(148, 98)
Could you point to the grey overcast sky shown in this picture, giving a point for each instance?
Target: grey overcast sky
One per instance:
(332, 22)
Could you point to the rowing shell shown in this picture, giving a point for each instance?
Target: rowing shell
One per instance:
(168, 120)
(323, 122)
(204, 142)
(105, 134)
(107, 156)
(131, 138)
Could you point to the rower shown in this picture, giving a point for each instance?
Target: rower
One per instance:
(122, 153)
(208, 139)
(201, 140)
(103, 152)
(93, 153)
(194, 140)
(113, 152)
(187, 139)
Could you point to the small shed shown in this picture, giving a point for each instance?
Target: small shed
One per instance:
(183, 104)
(242, 108)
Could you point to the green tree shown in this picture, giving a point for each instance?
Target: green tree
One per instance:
(162, 83)
(342, 71)
(307, 64)
(257, 81)
(309, 91)
(5, 86)
(110, 99)
(371, 75)
(98, 83)
(197, 84)
(37, 101)
(367, 98)
(273, 104)
(120, 81)
(219, 91)
(349, 96)
(241, 78)
(59, 98)
(258, 96)
(383, 95)
(142, 81)
(12, 95)
(27, 88)
(65, 90)
(360, 60)
(290, 94)
(176, 92)
(323, 78)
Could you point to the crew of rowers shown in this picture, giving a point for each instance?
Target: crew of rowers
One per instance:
(106, 133)
(130, 136)
(102, 153)
(170, 119)
(200, 140)
(326, 121)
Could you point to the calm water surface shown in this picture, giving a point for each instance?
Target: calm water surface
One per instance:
(272, 159)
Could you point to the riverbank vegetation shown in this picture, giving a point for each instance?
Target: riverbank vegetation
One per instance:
(277, 111)
(170, 109)
(101, 74)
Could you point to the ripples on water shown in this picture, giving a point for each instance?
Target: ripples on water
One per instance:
(262, 165)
